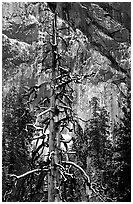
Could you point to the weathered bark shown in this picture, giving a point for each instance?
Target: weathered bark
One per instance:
(53, 175)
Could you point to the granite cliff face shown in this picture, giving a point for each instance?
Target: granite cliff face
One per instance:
(100, 47)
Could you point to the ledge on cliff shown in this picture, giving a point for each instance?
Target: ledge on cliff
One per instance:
(15, 51)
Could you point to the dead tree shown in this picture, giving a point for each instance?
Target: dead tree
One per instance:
(57, 115)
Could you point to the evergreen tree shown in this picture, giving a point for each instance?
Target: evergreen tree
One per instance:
(15, 139)
(98, 134)
(122, 153)
(94, 148)
(99, 146)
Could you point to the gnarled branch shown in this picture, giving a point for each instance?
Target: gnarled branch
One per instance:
(78, 167)
(27, 173)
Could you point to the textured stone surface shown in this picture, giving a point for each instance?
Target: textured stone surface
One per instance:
(17, 25)
(104, 33)
(16, 51)
(107, 36)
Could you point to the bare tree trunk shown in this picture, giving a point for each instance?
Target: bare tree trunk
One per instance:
(53, 174)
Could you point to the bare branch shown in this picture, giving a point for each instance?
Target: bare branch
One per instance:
(71, 152)
(53, 44)
(78, 167)
(66, 126)
(97, 193)
(66, 141)
(62, 101)
(59, 165)
(63, 28)
(50, 155)
(64, 83)
(63, 40)
(44, 112)
(82, 119)
(65, 179)
(117, 169)
(65, 107)
(63, 76)
(64, 69)
(67, 174)
(68, 98)
(70, 87)
(36, 127)
(27, 173)
(47, 125)
(38, 148)
(40, 137)
(48, 33)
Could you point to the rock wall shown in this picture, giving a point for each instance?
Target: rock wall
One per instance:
(21, 32)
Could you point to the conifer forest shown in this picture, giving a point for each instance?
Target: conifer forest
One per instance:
(66, 101)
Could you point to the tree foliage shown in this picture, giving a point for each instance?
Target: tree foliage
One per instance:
(122, 153)
(96, 152)
(15, 140)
